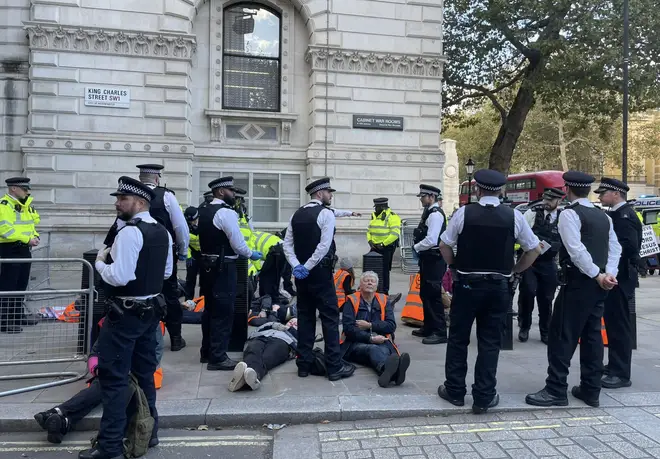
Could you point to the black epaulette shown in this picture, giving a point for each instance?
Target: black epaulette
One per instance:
(167, 189)
(4, 202)
(133, 221)
(572, 206)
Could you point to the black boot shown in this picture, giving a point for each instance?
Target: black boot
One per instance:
(226, 365)
(544, 398)
(177, 343)
(523, 335)
(389, 369)
(346, 371)
(95, 453)
(576, 391)
(57, 426)
(42, 417)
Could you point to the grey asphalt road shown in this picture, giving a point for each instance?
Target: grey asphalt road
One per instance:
(179, 444)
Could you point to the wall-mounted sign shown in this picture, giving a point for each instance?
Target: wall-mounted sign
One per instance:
(107, 96)
(393, 123)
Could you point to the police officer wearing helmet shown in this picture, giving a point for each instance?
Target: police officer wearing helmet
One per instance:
(192, 262)
(383, 236)
(309, 247)
(221, 242)
(208, 197)
(628, 229)
(142, 260)
(431, 266)
(540, 281)
(588, 263)
(483, 235)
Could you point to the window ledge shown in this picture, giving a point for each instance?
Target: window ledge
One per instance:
(218, 116)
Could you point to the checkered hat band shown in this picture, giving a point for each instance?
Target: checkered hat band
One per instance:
(319, 187)
(578, 184)
(149, 171)
(489, 187)
(612, 187)
(427, 191)
(20, 184)
(128, 188)
(225, 184)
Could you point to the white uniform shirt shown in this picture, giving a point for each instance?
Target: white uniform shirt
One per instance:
(434, 223)
(569, 229)
(178, 220)
(342, 213)
(522, 232)
(226, 220)
(125, 252)
(326, 222)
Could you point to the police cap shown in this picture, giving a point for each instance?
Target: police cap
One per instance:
(223, 182)
(128, 186)
(425, 190)
(240, 191)
(489, 180)
(150, 168)
(576, 179)
(611, 184)
(380, 201)
(22, 182)
(318, 185)
(191, 213)
(553, 193)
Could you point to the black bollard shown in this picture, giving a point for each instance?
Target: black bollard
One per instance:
(373, 261)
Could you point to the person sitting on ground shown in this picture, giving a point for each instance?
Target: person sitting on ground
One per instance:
(61, 419)
(369, 325)
(267, 347)
(344, 281)
(263, 311)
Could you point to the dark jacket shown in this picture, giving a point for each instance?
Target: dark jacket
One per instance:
(353, 334)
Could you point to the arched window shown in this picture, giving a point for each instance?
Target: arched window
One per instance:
(251, 58)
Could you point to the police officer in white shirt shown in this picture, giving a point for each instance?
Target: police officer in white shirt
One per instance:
(484, 235)
(588, 262)
(220, 242)
(141, 259)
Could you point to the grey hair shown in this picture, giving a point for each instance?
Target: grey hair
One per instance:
(369, 274)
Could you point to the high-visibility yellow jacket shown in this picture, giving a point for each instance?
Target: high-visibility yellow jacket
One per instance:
(263, 242)
(193, 244)
(384, 228)
(18, 221)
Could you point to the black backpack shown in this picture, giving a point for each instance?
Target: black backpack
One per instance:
(318, 367)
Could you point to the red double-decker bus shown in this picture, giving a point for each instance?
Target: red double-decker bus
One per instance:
(521, 188)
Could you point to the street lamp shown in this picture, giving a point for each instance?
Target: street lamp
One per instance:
(469, 167)
(626, 63)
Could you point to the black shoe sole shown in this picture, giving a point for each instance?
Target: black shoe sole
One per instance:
(557, 402)
(341, 375)
(41, 420)
(404, 363)
(616, 386)
(443, 395)
(431, 342)
(54, 428)
(389, 369)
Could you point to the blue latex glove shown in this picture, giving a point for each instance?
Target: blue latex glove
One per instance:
(300, 272)
(189, 263)
(182, 257)
(256, 255)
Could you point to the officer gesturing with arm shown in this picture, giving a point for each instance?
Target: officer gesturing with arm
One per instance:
(141, 260)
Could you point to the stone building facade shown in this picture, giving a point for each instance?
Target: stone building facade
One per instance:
(274, 92)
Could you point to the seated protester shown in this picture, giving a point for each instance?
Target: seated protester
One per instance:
(344, 281)
(369, 325)
(61, 419)
(267, 347)
(263, 311)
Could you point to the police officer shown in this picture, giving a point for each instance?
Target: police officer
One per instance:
(588, 263)
(540, 281)
(18, 234)
(383, 236)
(142, 254)
(272, 265)
(628, 229)
(309, 247)
(208, 197)
(192, 262)
(431, 266)
(483, 235)
(221, 242)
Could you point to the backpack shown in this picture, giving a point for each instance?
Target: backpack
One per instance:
(140, 426)
(318, 367)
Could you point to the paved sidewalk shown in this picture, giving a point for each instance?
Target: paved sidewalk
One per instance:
(192, 396)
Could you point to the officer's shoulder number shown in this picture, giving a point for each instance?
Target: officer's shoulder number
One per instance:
(133, 221)
(4, 202)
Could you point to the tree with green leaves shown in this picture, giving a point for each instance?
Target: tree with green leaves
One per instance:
(565, 54)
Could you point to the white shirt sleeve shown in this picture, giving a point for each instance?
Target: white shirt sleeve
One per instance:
(530, 216)
(342, 213)
(178, 222)
(227, 220)
(170, 258)
(454, 228)
(614, 252)
(289, 252)
(524, 234)
(434, 223)
(569, 226)
(326, 221)
(125, 252)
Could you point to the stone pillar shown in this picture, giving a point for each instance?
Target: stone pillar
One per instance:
(451, 184)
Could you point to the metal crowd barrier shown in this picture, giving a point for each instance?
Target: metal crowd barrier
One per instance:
(40, 275)
(56, 338)
(408, 263)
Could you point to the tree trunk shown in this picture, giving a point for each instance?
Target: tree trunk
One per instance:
(562, 144)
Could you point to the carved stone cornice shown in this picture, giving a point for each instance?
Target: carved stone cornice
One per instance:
(105, 41)
(350, 61)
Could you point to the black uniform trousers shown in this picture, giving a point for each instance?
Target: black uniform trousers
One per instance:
(317, 291)
(219, 290)
(287, 283)
(487, 301)
(171, 294)
(262, 354)
(126, 344)
(577, 316)
(271, 272)
(388, 254)
(431, 271)
(619, 329)
(192, 270)
(538, 282)
(13, 277)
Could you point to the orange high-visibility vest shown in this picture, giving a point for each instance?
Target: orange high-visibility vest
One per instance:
(199, 304)
(70, 314)
(354, 299)
(603, 332)
(340, 276)
(413, 311)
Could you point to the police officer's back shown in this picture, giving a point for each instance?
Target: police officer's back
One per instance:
(141, 260)
(588, 260)
(483, 234)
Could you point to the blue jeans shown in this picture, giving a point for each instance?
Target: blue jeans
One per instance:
(371, 355)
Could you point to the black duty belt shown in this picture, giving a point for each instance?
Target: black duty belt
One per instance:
(135, 307)
(482, 277)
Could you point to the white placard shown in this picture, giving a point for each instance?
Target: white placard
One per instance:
(649, 244)
(107, 96)
(545, 246)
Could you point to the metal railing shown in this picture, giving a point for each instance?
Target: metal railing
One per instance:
(40, 275)
(36, 331)
(408, 262)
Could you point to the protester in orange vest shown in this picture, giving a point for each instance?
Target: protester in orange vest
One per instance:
(344, 280)
(61, 419)
(369, 325)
